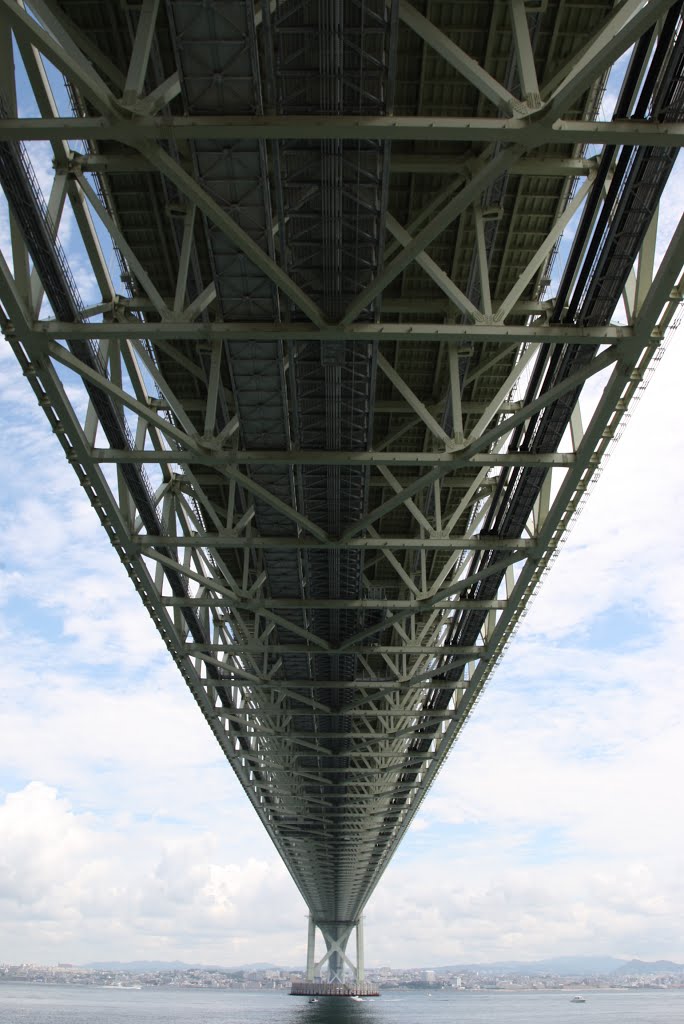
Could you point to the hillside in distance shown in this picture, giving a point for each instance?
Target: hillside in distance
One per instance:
(563, 966)
(143, 966)
(573, 966)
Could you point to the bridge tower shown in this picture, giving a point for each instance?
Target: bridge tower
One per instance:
(335, 973)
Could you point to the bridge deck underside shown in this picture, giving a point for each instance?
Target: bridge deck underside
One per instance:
(336, 531)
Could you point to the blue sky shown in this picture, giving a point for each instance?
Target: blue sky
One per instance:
(554, 828)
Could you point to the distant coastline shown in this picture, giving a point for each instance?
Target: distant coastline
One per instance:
(571, 974)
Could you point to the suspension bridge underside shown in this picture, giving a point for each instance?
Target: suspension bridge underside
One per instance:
(347, 387)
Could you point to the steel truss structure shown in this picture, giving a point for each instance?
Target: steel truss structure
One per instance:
(334, 418)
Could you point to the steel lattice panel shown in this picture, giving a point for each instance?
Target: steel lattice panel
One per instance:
(325, 415)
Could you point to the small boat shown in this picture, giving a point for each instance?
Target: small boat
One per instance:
(578, 999)
(313, 999)
(357, 999)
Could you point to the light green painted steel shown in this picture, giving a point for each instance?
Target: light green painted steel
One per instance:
(518, 131)
(433, 470)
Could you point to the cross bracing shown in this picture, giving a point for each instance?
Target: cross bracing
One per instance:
(351, 387)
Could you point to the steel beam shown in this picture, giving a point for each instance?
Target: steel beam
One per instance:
(200, 456)
(520, 132)
(174, 329)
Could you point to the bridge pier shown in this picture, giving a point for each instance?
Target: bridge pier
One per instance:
(360, 965)
(337, 964)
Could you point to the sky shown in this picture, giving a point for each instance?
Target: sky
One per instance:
(554, 828)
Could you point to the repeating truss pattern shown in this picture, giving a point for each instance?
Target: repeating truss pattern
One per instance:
(335, 421)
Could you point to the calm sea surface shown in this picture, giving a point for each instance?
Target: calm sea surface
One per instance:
(35, 1004)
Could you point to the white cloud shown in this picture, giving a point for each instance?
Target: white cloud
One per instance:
(486, 911)
(97, 892)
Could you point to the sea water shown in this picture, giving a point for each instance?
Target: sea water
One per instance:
(59, 1004)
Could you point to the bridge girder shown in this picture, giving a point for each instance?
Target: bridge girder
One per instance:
(442, 451)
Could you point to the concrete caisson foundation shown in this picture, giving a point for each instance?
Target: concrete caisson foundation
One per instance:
(326, 988)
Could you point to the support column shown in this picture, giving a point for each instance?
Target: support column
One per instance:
(336, 935)
(311, 950)
(360, 966)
